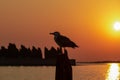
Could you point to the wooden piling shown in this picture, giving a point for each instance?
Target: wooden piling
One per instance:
(63, 67)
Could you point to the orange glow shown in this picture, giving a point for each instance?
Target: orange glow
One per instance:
(87, 22)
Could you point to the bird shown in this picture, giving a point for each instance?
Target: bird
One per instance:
(63, 41)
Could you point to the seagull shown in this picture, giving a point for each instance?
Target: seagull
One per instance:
(63, 41)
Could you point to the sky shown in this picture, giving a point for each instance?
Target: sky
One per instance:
(89, 23)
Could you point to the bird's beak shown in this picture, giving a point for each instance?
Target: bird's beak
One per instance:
(51, 33)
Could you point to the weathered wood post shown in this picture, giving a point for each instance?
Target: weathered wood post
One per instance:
(63, 66)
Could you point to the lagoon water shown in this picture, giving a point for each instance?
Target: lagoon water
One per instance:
(110, 71)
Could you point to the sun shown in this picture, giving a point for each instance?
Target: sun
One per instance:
(117, 26)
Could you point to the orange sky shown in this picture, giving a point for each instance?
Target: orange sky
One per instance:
(89, 23)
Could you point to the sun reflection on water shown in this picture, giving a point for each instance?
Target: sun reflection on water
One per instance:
(113, 72)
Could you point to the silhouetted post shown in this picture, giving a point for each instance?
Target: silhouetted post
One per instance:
(63, 66)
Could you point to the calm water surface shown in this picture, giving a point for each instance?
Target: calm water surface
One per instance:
(83, 72)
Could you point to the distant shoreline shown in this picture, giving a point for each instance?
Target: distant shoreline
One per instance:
(101, 62)
(94, 63)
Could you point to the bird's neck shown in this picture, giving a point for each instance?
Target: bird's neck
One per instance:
(55, 37)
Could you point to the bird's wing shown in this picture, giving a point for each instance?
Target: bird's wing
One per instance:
(64, 39)
(67, 42)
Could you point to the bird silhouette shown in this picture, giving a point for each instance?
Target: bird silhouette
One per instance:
(63, 41)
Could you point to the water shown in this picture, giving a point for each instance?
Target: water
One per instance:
(82, 72)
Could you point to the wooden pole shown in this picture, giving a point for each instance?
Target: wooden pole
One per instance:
(63, 66)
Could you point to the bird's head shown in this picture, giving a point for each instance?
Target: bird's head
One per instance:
(55, 33)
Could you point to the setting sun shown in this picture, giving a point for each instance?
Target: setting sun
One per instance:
(117, 26)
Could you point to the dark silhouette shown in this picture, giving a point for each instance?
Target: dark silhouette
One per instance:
(25, 52)
(50, 54)
(28, 57)
(36, 52)
(63, 41)
(63, 67)
(12, 50)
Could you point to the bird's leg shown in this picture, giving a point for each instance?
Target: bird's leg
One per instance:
(64, 49)
(61, 50)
